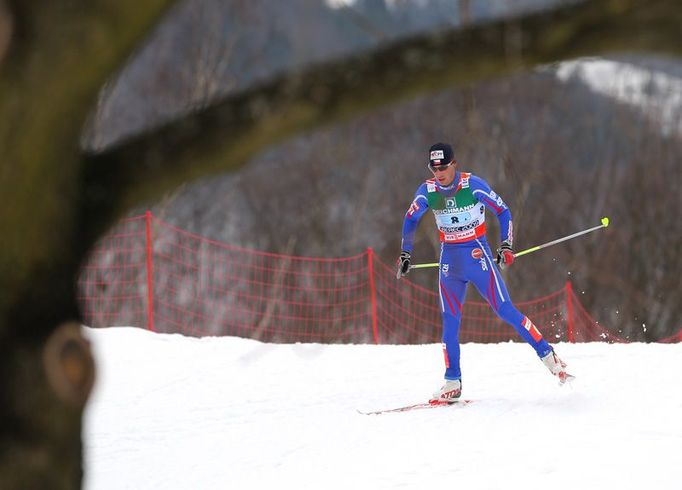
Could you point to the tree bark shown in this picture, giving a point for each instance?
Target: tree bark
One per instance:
(59, 54)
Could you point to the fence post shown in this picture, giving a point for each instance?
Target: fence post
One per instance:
(150, 270)
(372, 293)
(569, 308)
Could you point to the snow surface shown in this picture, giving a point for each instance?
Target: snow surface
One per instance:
(172, 412)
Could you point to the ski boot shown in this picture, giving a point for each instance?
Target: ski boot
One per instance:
(449, 393)
(557, 367)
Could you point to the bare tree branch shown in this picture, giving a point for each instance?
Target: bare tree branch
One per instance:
(225, 135)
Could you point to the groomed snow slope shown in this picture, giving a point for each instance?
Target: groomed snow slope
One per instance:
(171, 412)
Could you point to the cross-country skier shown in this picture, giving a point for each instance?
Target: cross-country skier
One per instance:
(459, 200)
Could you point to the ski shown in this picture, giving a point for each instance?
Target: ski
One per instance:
(418, 406)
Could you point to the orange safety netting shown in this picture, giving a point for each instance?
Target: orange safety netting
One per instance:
(149, 274)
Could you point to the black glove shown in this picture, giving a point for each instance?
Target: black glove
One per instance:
(403, 264)
(505, 255)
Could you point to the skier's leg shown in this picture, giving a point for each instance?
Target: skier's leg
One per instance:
(452, 291)
(491, 286)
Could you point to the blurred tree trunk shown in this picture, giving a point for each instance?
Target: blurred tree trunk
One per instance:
(56, 202)
(59, 55)
(464, 10)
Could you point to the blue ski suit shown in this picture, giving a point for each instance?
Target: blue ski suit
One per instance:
(465, 257)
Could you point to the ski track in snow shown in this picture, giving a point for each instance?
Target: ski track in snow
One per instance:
(171, 412)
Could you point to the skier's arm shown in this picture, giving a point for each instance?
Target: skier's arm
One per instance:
(412, 217)
(494, 203)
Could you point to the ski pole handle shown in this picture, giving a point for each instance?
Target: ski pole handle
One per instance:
(604, 224)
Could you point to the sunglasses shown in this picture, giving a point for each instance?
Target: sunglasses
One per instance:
(439, 168)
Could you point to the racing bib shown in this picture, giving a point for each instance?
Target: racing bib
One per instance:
(460, 217)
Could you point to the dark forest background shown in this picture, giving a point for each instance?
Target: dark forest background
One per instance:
(561, 154)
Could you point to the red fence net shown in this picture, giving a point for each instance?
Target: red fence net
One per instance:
(149, 274)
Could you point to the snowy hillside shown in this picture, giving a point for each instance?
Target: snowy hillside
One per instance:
(655, 93)
(171, 412)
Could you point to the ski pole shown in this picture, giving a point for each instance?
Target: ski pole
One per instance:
(604, 224)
